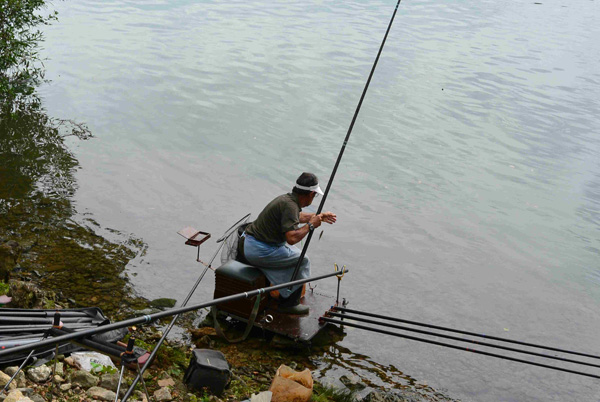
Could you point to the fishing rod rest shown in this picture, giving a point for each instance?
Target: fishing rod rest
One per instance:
(56, 323)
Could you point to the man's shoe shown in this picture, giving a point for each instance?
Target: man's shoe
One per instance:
(298, 309)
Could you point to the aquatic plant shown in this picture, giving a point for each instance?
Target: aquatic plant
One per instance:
(21, 68)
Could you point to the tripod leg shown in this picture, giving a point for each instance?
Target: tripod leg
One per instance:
(143, 382)
(17, 372)
(120, 380)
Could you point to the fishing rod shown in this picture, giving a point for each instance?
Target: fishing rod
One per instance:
(227, 233)
(339, 158)
(533, 345)
(381, 331)
(145, 319)
(456, 338)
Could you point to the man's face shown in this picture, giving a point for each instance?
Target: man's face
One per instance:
(312, 196)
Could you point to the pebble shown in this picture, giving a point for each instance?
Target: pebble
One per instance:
(101, 394)
(163, 394)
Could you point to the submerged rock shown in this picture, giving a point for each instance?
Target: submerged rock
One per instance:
(163, 303)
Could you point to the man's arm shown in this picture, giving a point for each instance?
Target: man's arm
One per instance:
(294, 236)
(328, 217)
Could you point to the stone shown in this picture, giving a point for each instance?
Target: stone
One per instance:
(39, 374)
(163, 394)
(9, 255)
(29, 295)
(140, 396)
(37, 398)
(204, 331)
(20, 379)
(352, 382)
(377, 396)
(69, 360)
(26, 391)
(66, 387)
(58, 379)
(167, 382)
(101, 394)
(110, 381)
(16, 396)
(60, 367)
(84, 379)
(92, 361)
(163, 303)
(4, 379)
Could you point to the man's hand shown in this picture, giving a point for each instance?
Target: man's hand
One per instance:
(328, 217)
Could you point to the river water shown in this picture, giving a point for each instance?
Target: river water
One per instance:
(468, 196)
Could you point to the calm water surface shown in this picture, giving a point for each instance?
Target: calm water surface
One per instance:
(469, 195)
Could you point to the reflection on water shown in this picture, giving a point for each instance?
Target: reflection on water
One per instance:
(36, 210)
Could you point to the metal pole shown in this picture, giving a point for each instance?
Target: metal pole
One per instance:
(151, 317)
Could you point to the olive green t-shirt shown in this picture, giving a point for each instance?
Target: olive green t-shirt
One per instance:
(279, 216)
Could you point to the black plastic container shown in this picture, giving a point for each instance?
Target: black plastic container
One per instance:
(208, 369)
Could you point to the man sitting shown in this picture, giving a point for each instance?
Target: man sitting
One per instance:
(268, 242)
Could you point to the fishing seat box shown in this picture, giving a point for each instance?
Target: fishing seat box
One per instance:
(235, 277)
(208, 369)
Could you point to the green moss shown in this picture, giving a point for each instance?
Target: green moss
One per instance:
(4, 287)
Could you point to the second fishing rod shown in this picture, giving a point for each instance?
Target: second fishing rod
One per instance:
(341, 153)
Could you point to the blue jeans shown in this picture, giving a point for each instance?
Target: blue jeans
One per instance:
(276, 261)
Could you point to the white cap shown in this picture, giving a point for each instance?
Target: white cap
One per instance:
(311, 188)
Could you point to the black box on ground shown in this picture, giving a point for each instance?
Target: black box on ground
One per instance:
(208, 369)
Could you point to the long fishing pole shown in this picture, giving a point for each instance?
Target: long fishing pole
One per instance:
(456, 338)
(496, 338)
(447, 345)
(339, 158)
(152, 317)
(227, 233)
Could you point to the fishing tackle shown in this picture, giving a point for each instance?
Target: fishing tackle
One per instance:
(339, 158)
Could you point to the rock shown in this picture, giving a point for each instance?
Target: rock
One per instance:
(377, 396)
(29, 295)
(9, 255)
(58, 379)
(39, 374)
(101, 394)
(163, 303)
(20, 379)
(4, 379)
(26, 391)
(84, 379)
(16, 396)
(140, 396)
(66, 387)
(37, 398)
(204, 331)
(352, 382)
(69, 360)
(167, 382)
(92, 361)
(60, 368)
(163, 394)
(110, 381)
